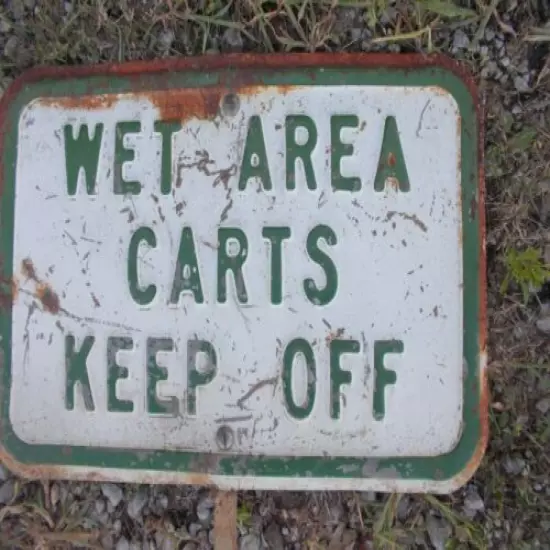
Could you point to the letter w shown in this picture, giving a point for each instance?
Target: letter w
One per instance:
(82, 152)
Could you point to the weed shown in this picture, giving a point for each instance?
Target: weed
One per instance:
(526, 269)
(244, 514)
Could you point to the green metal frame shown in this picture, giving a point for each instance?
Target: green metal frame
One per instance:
(434, 468)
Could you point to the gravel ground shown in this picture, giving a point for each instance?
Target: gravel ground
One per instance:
(507, 503)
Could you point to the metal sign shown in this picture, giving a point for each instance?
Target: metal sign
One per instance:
(256, 272)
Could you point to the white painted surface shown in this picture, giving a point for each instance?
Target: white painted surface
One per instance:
(386, 290)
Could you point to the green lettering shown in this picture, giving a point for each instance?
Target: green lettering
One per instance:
(254, 164)
(166, 131)
(302, 347)
(340, 150)
(231, 260)
(141, 296)
(77, 371)
(339, 377)
(156, 374)
(316, 295)
(391, 166)
(82, 153)
(276, 236)
(123, 155)
(186, 276)
(383, 377)
(199, 376)
(303, 151)
(115, 372)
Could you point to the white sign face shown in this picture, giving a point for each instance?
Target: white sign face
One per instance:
(282, 279)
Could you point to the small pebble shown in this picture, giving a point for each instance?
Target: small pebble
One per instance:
(5, 27)
(403, 508)
(489, 35)
(3, 473)
(473, 503)
(194, 528)
(544, 325)
(99, 506)
(543, 405)
(54, 494)
(166, 38)
(113, 493)
(17, 8)
(163, 501)
(204, 510)
(122, 544)
(11, 46)
(117, 526)
(368, 496)
(512, 466)
(273, 537)
(250, 542)
(136, 504)
(439, 531)
(233, 40)
(345, 18)
(7, 491)
(521, 83)
(460, 40)
(356, 34)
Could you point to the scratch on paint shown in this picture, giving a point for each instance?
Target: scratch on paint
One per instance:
(410, 217)
(233, 419)
(258, 386)
(422, 118)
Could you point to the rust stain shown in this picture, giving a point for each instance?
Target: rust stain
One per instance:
(334, 334)
(181, 104)
(479, 451)
(473, 208)
(279, 89)
(27, 267)
(48, 298)
(391, 159)
(187, 103)
(14, 289)
(85, 102)
(45, 471)
(43, 291)
(177, 104)
(9, 290)
(392, 183)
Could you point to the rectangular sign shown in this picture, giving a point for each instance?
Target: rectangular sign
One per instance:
(251, 272)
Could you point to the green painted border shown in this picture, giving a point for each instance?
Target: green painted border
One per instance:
(413, 468)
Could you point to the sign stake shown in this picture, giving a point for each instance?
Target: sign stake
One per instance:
(225, 521)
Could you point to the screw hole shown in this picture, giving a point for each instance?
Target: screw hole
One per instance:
(230, 104)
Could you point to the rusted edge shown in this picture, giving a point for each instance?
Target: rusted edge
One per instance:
(250, 63)
(483, 405)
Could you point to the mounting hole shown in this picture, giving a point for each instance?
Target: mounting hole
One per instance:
(230, 104)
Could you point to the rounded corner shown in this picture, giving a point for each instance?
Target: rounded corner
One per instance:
(460, 479)
(17, 86)
(15, 466)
